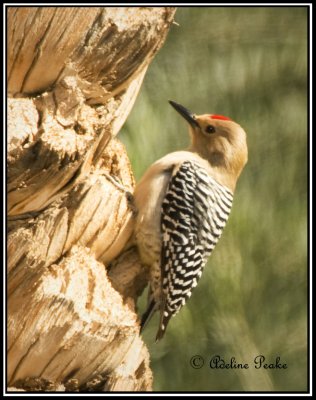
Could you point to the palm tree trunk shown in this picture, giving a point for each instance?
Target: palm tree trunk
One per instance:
(73, 77)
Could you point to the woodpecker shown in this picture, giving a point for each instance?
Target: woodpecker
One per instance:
(183, 202)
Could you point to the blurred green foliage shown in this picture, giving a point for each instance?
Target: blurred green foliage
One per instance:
(249, 63)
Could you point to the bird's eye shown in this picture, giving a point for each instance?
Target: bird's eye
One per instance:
(210, 129)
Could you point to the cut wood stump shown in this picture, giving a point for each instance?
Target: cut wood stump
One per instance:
(73, 76)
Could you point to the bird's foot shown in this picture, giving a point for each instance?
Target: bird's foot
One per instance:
(122, 188)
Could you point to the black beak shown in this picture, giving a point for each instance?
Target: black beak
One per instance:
(186, 114)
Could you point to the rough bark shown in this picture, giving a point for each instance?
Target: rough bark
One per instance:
(73, 76)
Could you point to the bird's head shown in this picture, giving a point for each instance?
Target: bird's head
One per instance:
(218, 139)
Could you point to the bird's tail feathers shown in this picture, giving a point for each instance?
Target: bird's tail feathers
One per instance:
(147, 315)
(164, 319)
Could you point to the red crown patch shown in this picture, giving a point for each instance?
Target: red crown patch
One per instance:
(215, 116)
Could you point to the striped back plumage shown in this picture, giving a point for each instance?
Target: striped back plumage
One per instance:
(194, 212)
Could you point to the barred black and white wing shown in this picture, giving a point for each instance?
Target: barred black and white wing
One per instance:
(194, 212)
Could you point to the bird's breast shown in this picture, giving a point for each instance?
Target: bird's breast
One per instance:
(148, 197)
